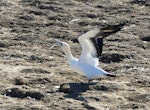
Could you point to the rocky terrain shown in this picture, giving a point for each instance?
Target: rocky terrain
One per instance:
(35, 74)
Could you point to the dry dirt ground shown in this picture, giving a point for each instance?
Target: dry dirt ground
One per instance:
(34, 73)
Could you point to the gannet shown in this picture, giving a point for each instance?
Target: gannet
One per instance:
(87, 63)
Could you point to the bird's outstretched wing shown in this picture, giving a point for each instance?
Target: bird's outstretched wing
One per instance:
(89, 52)
(92, 45)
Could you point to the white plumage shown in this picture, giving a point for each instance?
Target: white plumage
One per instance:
(87, 64)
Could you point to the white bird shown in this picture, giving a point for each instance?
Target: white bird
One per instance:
(87, 64)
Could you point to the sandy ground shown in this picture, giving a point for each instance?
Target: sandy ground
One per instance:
(36, 76)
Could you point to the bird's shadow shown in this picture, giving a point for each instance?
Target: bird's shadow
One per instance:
(74, 90)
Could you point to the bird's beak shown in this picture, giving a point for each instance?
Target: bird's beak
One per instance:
(58, 42)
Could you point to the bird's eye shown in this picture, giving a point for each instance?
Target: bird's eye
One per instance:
(61, 44)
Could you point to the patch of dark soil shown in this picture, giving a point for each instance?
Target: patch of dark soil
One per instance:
(8, 23)
(7, 44)
(17, 55)
(84, 23)
(108, 58)
(37, 12)
(40, 81)
(141, 2)
(10, 56)
(34, 58)
(19, 107)
(34, 82)
(18, 30)
(56, 34)
(24, 1)
(88, 107)
(140, 98)
(4, 44)
(141, 82)
(54, 18)
(49, 7)
(131, 106)
(90, 15)
(24, 38)
(26, 17)
(3, 4)
(31, 3)
(142, 45)
(49, 24)
(35, 70)
(20, 81)
(99, 87)
(16, 107)
(91, 98)
(22, 24)
(59, 17)
(117, 40)
(20, 93)
(145, 38)
(122, 11)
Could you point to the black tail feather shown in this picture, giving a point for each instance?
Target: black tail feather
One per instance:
(111, 75)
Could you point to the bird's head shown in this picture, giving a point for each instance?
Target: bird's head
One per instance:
(63, 45)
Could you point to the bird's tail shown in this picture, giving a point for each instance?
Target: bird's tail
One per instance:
(110, 75)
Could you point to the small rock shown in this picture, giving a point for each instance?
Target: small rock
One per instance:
(57, 87)
(65, 88)
(20, 81)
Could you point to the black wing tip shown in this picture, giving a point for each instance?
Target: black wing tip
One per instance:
(112, 29)
(98, 44)
(121, 24)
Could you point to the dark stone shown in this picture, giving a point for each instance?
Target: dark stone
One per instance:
(19, 93)
(20, 81)
(88, 107)
(146, 38)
